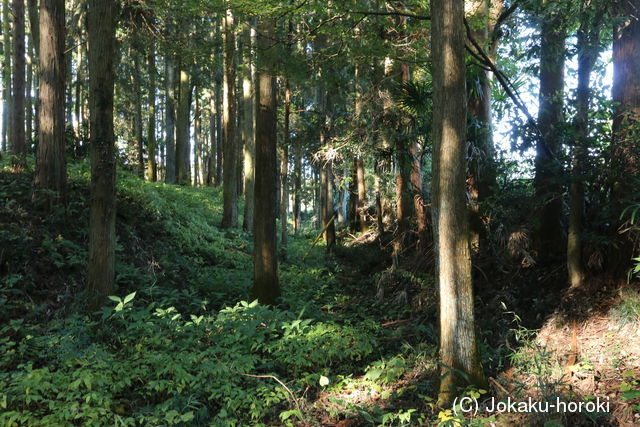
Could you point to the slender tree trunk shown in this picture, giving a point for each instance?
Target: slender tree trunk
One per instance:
(403, 175)
(481, 15)
(249, 107)
(170, 96)
(265, 278)
(213, 140)
(29, 99)
(51, 169)
(196, 140)
(458, 349)
(6, 76)
(78, 92)
(297, 188)
(326, 178)
(183, 152)
(152, 166)
(360, 191)
(230, 163)
(625, 161)
(219, 133)
(101, 25)
(550, 122)
(33, 51)
(587, 47)
(419, 204)
(137, 119)
(284, 167)
(18, 140)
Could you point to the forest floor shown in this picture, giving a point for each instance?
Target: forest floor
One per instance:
(352, 342)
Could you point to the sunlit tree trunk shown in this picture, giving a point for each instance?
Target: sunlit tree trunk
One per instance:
(101, 25)
(230, 161)
(183, 166)
(248, 134)
(152, 166)
(33, 106)
(550, 122)
(265, 278)
(625, 161)
(326, 178)
(18, 141)
(170, 111)
(458, 349)
(51, 167)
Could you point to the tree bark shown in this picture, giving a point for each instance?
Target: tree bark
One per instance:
(458, 349)
(550, 121)
(152, 166)
(211, 170)
(588, 51)
(625, 161)
(51, 167)
(101, 25)
(297, 188)
(183, 152)
(284, 168)
(18, 140)
(230, 161)
(248, 132)
(219, 133)
(137, 118)
(170, 111)
(265, 279)
(6, 76)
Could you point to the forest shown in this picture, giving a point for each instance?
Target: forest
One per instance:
(320, 213)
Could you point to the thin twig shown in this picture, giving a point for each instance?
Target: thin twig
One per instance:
(282, 384)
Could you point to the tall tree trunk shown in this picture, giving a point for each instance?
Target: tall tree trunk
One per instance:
(230, 161)
(284, 168)
(29, 99)
(219, 132)
(550, 121)
(170, 111)
(360, 191)
(137, 119)
(6, 75)
(51, 170)
(326, 178)
(248, 133)
(297, 188)
(77, 107)
(481, 16)
(18, 141)
(458, 349)
(183, 152)
(625, 162)
(101, 26)
(419, 204)
(196, 140)
(588, 51)
(152, 166)
(265, 278)
(33, 51)
(403, 175)
(211, 170)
